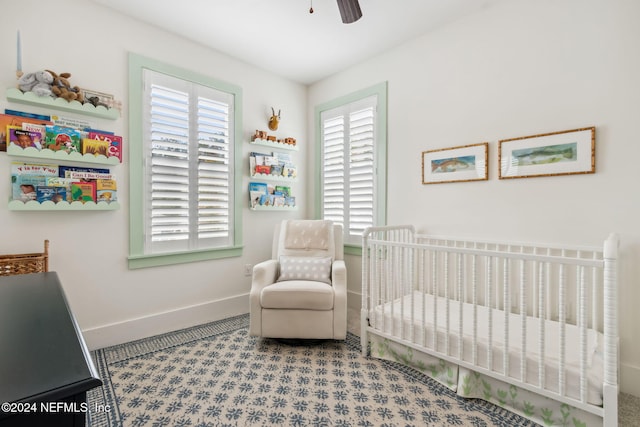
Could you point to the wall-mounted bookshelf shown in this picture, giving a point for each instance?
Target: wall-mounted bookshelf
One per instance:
(60, 156)
(17, 205)
(29, 98)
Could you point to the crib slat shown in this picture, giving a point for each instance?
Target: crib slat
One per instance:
(506, 304)
(490, 313)
(474, 298)
(541, 315)
(523, 322)
(434, 338)
(563, 338)
(460, 306)
(583, 332)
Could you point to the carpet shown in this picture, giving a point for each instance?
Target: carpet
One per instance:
(217, 375)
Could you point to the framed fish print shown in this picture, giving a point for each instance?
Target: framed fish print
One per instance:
(559, 153)
(456, 164)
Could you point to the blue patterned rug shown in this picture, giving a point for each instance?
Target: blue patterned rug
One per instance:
(217, 375)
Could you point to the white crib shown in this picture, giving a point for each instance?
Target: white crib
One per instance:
(529, 327)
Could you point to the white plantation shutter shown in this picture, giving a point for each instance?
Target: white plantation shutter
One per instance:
(188, 165)
(348, 171)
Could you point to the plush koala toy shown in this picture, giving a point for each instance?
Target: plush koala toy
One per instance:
(39, 83)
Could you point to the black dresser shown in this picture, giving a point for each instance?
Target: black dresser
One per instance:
(45, 367)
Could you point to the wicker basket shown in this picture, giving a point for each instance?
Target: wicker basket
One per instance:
(12, 264)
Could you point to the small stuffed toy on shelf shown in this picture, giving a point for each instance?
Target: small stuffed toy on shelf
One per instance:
(61, 87)
(40, 83)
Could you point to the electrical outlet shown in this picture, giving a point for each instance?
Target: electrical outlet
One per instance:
(248, 269)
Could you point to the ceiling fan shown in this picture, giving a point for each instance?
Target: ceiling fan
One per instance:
(349, 10)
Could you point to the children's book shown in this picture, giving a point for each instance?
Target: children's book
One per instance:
(263, 169)
(23, 138)
(289, 171)
(283, 190)
(106, 190)
(24, 187)
(95, 147)
(28, 115)
(9, 120)
(256, 191)
(62, 138)
(87, 176)
(18, 168)
(83, 191)
(54, 194)
(56, 181)
(63, 170)
(114, 141)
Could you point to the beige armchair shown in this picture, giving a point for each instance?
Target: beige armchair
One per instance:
(302, 291)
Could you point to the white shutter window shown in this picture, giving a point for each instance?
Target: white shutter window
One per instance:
(334, 194)
(348, 167)
(188, 165)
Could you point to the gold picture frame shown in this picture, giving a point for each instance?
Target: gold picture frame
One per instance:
(567, 152)
(456, 164)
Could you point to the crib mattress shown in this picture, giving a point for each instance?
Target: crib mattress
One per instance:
(458, 342)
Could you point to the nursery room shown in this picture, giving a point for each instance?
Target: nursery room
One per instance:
(273, 253)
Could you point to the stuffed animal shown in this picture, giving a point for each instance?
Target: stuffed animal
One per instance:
(63, 89)
(39, 83)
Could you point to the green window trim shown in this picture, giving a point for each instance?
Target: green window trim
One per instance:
(381, 91)
(137, 258)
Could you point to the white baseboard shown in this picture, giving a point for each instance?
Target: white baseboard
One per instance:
(160, 323)
(630, 379)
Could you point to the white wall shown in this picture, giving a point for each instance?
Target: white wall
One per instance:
(89, 249)
(524, 67)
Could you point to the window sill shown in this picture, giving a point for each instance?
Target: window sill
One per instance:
(170, 258)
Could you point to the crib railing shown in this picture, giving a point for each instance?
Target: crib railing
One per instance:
(508, 284)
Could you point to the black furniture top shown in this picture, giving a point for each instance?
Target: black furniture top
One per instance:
(43, 356)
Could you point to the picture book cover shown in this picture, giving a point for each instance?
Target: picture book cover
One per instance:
(256, 191)
(24, 187)
(115, 143)
(56, 181)
(32, 127)
(10, 120)
(64, 169)
(263, 169)
(62, 138)
(289, 171)
(83, 191)
(106, 190)
(283, 190)
(276, 170)
(95, 147)
(54, 194)
(28, 115)
(19, 168)
(24, 138)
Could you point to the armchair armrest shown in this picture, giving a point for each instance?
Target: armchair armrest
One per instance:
(339, 282)
(264, 274)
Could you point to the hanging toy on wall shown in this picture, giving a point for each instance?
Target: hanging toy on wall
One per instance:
(274, 120)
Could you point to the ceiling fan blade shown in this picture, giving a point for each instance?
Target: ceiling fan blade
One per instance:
(349, 11)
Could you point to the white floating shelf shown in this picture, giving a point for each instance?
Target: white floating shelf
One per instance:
(17, 205)
(30, 98)
(61, 155)
(272, 144)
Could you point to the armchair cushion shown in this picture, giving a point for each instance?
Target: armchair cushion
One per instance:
(297, 295)
(317, 269)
